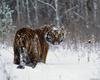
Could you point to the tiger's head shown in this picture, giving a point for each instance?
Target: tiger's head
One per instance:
(55, 35)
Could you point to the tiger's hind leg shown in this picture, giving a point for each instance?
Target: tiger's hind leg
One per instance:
(22, 56)
(16, 56)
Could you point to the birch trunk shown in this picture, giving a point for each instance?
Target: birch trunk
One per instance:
(23, 13)
(18, 14)
(95, 11)
(57, 14)
(28, 13)
(86, 14)
(36, 13)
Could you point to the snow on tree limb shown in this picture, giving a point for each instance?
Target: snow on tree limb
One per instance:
(48, 4)
(79, 15)
(71, 9)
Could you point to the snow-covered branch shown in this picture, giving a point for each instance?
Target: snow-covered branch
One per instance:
(71, 9)
(48, 4)
(79, 15)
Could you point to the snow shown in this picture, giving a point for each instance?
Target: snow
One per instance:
(62, 64)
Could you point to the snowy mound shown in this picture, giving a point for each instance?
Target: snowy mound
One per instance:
(62, 64)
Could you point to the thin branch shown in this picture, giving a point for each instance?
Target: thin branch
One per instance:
(47, 4)
(71, 9)
(32, 3)
(79, 15)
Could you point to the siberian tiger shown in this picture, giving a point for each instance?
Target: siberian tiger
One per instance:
(31, 45)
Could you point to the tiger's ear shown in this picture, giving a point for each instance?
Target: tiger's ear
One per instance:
(63, 30)
(52, 25)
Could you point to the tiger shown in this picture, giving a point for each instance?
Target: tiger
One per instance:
(31, 45)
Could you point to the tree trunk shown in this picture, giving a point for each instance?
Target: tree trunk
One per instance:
(18, 14)
(28, 13)
(95, 11)
(57, 14)
(36, 13)
(86, 14)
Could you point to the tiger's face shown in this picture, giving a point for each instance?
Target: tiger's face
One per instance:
(55, 36)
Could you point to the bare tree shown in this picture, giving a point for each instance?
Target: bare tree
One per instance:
(95, 10)
(28, 12)
(55, 9)
(36, 13)
(18, 14)
(23, 12)
(86, 14)
(57, 13)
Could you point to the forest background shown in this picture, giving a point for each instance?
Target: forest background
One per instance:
(81, 18)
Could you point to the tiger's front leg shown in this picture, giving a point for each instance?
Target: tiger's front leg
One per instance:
(44, 52)
(36, 51)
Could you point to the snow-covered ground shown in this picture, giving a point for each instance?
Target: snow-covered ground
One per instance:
(62, 64)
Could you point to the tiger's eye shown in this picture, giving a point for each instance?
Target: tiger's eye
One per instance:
(49, 38)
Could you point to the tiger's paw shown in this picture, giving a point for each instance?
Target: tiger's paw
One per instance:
(20, 67)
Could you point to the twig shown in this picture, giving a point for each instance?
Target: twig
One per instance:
(71, 9)
(47, 4)
(32, 3)
(79, 15)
